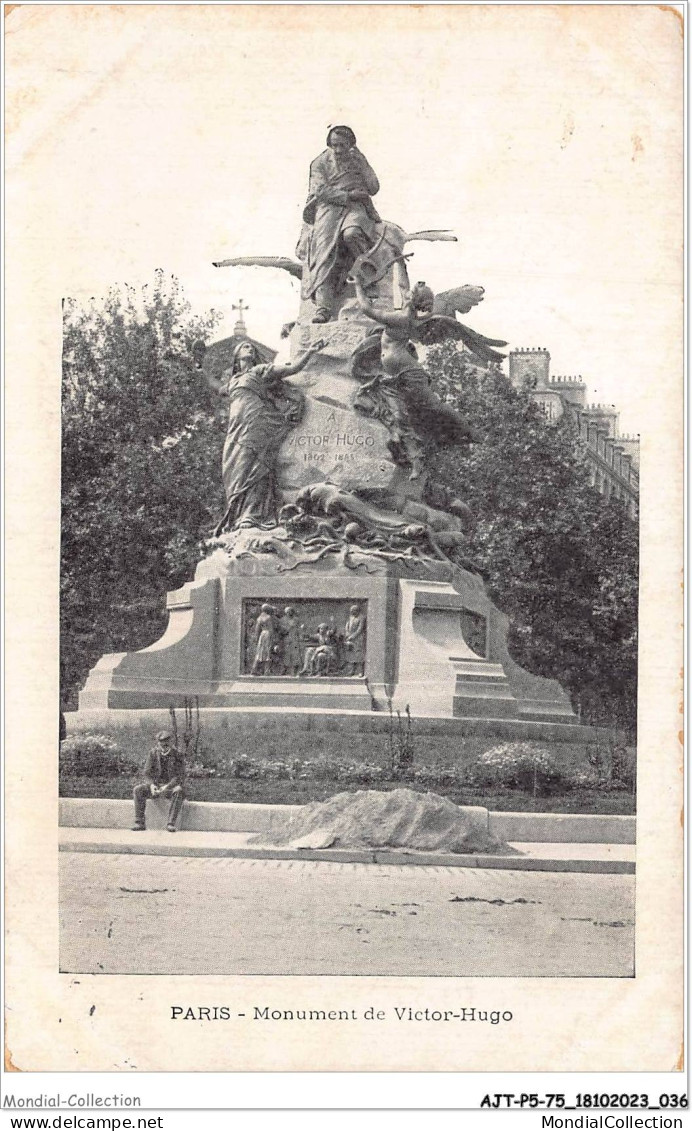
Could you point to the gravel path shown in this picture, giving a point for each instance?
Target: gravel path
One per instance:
(128, 914)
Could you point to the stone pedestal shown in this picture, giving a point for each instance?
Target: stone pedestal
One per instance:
(433, 645)
(439, 671)
(207, 651)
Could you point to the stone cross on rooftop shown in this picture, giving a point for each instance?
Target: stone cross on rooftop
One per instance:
(240, 329)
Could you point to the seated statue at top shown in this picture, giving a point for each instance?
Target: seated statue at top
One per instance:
(339, 220)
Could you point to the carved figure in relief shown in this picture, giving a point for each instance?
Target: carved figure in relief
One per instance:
(291, 650)
(320, 657)
(262, 411)
(306, 529)
(354, 641)
(403, 527)
(265, 640)
(339, 219)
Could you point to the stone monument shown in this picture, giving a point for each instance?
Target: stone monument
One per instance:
(337, 579)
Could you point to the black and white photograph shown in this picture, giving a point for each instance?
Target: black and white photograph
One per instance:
(361, 551)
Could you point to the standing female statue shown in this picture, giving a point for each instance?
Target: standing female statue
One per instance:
(262, 411)
(265, 637)
(339, 219)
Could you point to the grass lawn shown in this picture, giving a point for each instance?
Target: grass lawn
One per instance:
(300, 792)
(314, 765)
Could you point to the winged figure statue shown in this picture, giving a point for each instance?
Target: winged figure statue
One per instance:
(425, 318)
(459, 300)
(398, 389)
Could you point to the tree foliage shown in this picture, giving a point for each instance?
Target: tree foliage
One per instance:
(141, 449)
(559, 559)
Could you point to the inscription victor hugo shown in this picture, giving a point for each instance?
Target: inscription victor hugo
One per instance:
(316, 447)
(307, 638)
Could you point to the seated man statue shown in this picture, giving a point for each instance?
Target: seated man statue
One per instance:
(164, 776)
(339, 219)
(321, 656)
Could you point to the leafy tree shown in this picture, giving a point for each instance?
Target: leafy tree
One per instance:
(559, 559)
(141, 449)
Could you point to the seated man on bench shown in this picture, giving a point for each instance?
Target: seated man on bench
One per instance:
(164, 775)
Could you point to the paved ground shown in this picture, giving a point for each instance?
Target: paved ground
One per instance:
(131, 914)
(607, 857)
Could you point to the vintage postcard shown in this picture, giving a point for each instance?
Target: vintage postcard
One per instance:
(344, 390)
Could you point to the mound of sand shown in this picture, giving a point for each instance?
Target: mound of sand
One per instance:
(401, 818)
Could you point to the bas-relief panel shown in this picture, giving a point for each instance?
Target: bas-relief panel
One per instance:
(306, 638)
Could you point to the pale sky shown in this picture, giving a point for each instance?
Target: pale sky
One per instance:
(548, 139)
